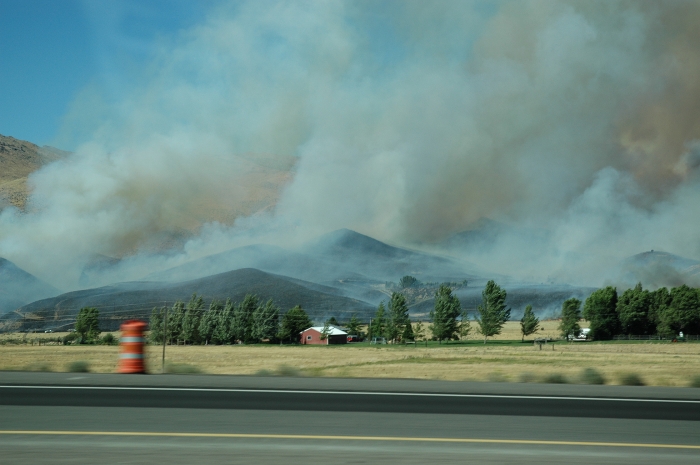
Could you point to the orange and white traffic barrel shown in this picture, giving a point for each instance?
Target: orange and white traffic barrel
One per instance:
(131, 347)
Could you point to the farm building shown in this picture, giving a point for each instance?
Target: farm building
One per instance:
(313, 336)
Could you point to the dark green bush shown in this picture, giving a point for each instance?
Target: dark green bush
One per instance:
(695, 382)
(631, 379)
(108, 339)
(592, 376)
(555, 378)
(70, 338)
(79, 366)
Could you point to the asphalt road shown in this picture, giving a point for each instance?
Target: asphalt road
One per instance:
(63, 418)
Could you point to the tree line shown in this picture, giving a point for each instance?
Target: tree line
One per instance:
(448, 321)
(250, 321)
(637, 311)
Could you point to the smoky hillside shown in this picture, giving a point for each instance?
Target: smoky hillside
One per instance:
(136, 299)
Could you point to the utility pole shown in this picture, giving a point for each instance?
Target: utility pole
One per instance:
(165, 335)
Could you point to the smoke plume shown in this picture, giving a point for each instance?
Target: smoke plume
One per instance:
(407, 121)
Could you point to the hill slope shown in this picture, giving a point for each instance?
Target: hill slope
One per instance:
(657, 269)
(373, 258)
(17, 287)
(136, 299)
(269, 258)
(18, 159)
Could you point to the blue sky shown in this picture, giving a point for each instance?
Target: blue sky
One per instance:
(52, 49)
(56, 55)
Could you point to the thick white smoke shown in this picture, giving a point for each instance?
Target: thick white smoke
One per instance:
(407, 121)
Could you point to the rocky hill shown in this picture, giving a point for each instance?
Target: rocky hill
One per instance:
(18, 159)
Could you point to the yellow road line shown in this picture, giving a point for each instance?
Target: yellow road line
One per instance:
(349, 438)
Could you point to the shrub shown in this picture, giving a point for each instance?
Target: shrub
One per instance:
(555, 378)
(527, 378)
(69, 338)
(108, 339)
(631, 379)
(285, 370)
(38, 366)
(695, 382)
(79, 366)
(181, 369)
(591, 376)
(264, 372)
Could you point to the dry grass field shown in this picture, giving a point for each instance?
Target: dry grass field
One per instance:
(657, 363)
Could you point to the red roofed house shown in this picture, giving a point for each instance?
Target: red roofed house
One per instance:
(313, 336)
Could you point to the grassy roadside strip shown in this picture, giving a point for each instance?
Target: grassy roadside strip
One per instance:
(616, 362)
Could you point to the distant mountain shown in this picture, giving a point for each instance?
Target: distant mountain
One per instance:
(349, 261)
(136, 299)
(659, 269)
(18, 159)
(346, 243)
(652, 257)
(269, 258)
(373, 258)
(17, 287)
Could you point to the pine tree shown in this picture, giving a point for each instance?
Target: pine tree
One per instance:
(190, 322)
(408, 334)
(398, 316)
(265, 322)
(493, 313)
(529, 323)
(378, 324)
(444, 314)
(223, 329)
(354, 325)
(155, 325)
(242, 318)
(209, 320)
(175, 319)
